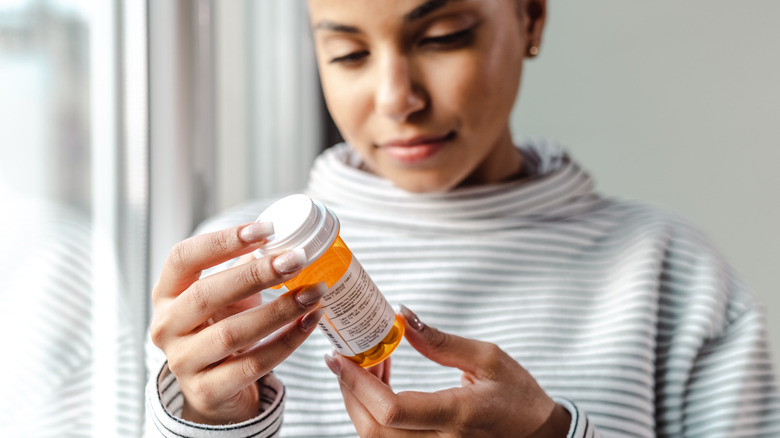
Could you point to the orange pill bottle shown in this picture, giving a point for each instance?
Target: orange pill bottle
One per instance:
(358, 320)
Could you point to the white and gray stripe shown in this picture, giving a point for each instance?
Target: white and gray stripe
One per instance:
(624, 313)
(47, 295)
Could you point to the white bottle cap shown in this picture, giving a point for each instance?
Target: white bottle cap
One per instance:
(299, 222)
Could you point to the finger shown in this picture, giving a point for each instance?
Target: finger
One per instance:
(405, 410)
(253, 300)
(189, 258)
(481, 359)
(244, 259)
(362, 420)
(236, 373)
(385, 377)
(386, 374)
(209, 295)
(381, 371)
(250, 302)
(162, 338)
(245, 329)
(367, 425)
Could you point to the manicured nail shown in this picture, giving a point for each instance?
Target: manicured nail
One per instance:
(312, 318)
(256, 232)
(410, 316)
(334, 366)
(311, 293)
(290, 261)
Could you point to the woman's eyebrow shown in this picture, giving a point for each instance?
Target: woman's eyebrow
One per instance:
(425, 9)
(336, 27)
(415, 14)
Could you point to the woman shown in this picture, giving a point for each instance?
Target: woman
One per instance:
(557, 312)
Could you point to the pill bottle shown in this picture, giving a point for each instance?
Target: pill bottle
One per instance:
(358, 320)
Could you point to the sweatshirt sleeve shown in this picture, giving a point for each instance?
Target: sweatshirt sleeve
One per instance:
(732, 389)
(164, 403)
(581, 426)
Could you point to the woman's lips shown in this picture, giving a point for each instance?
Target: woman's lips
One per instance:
(416, 149)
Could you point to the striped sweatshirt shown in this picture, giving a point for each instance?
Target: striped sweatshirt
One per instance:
(625, 314)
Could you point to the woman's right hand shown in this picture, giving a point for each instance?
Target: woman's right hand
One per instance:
(218, 336)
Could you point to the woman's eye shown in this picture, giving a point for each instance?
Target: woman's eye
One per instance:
(351, 58)
(454, 39)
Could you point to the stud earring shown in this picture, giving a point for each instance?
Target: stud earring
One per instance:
(533, 51)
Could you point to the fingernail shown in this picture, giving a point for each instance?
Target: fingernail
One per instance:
(312, 318)
(256, 232)
(334, 366)
(290, 261)
(309, 295)
(410, 316)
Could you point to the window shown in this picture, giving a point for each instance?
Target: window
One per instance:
(124, 124)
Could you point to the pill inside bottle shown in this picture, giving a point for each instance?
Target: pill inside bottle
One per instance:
(358, 320)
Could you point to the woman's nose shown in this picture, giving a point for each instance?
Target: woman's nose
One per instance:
(398, 97)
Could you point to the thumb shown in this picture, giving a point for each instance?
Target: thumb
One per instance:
(481, 359)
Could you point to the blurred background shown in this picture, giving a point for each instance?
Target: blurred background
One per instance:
(125, 123)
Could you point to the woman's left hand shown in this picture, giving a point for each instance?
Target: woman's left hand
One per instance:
(497, 396)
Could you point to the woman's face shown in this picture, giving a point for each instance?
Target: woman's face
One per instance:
(423, 90)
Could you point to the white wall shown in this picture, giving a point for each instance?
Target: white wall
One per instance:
(676, 103)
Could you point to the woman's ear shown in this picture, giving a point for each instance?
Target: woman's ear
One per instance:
(533, 14)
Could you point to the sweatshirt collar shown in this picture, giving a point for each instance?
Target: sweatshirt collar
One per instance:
(558, 189)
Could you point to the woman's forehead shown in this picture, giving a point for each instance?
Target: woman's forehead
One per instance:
(407, 10)
(356, 16)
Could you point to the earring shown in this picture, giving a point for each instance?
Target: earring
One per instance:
(533, 51)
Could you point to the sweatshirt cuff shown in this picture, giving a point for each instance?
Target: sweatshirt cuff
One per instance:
(580, 427)
(164, 402)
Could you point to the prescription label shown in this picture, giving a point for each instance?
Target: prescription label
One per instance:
(357, 316)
